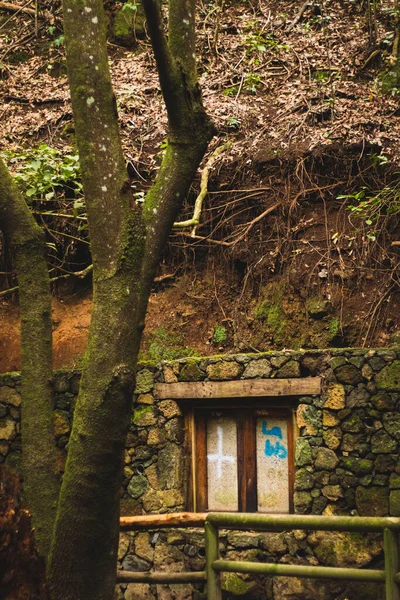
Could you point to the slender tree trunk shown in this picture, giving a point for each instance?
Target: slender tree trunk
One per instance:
(26, 240)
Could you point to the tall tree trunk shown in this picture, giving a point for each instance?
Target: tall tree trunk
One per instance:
(127, 242)
(26, 240)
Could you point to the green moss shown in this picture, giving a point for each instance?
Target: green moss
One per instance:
(234, 584)
(389, 377)
(139, 412)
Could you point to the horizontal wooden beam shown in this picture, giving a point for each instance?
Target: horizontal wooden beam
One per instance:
(299, 571)
(181, 519)
(274, 522)
(159, 577)
(239, 389)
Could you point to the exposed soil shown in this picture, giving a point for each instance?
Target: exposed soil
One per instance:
(279, 259)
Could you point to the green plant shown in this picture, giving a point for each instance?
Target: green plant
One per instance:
(219, 335)
(44, 173)
(167, 345)
(252, 83)
(333, 326)
(372, 206)
(130, 6)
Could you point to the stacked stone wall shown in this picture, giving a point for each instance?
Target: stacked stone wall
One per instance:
(346, 458)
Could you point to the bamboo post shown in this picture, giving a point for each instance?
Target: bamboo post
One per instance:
(212, 554)
(392, 563)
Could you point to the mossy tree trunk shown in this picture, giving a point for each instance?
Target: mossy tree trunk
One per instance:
(127, 241)
(26, 241)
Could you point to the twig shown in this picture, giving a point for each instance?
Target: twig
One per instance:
(195, 220)
(299, 15)
(15, 8)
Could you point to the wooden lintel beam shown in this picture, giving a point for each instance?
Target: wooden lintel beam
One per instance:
(240, 389)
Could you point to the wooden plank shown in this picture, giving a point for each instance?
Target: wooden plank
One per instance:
(201, 464)
(239, 389)
(182, 519)
(247, 482)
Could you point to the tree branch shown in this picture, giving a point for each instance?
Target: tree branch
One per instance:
(195, 220)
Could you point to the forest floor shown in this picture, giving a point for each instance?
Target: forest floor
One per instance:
(297, 242)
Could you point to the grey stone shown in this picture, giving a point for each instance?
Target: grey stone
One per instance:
(289, 369)
(224, 370)
(257, 368)
(382, 443)
(138, 486)
(326, 459)
(377, 363)
(358, 466)
(348, 374)
(372, 501)
(358, 397)
(243, 540)
(278, 361)
(382, 401)
(304, 480)
(353, 424)
(169, 467)
(391, 422)
(302, 502)
(134, 563)
(273, 543)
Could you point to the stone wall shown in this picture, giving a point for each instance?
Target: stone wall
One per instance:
(346, 456)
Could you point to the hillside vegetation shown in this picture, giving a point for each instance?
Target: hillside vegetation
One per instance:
(298, 240)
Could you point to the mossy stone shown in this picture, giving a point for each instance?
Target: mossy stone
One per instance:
(382, 443)
(144, 381)
(191, 372)
(348, 374)
(302, 502)
(232, 583)
(137, 486)
(224, 370)
(372, 501)
(395, 503)
(358, 466)
(304, 480)
(391, 422)
(303, 453)
(389, 377)
(382, 401)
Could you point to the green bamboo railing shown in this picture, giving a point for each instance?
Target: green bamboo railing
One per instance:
(390, 526)
(212, 522)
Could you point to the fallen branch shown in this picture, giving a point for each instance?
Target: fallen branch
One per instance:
(14, 8)
(195, 220)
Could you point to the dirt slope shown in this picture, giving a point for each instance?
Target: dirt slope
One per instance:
(280, 258)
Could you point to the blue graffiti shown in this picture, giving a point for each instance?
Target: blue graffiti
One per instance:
(276, 431)
(277, 449)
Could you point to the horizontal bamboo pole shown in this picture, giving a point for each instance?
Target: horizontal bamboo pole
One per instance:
(396, 578)
(159, 577)
(298, 570)
(267, 522)
(182, 519)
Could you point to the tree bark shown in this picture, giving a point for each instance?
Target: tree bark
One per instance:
(26, 240)
(127, 242)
